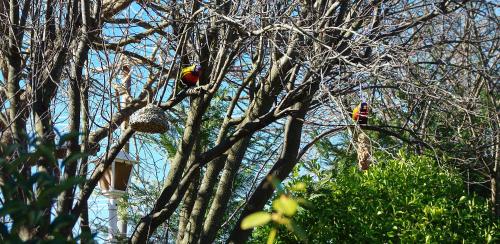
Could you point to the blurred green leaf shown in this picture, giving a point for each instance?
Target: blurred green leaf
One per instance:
(300, 186)
(272, 236)
(255, 219)
(285, 205)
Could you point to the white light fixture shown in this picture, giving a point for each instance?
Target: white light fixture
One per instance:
(113, 184)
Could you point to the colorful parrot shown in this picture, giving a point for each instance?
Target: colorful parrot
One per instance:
(190, 75)
(360, 113)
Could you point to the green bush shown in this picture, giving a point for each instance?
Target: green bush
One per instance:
(39, 191)
(411, 199)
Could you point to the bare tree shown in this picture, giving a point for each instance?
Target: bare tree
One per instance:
(279, 66)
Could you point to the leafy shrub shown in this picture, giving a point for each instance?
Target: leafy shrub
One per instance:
(39, 190)
(410, 199)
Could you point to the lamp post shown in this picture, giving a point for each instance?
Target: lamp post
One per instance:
(114, 184)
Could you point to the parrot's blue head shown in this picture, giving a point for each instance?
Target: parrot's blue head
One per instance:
(364, 106)
(197, 68)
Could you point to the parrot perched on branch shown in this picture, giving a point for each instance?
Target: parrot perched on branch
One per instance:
(190, 75)
(360, 113)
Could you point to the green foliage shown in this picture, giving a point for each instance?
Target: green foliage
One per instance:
(409, 199)
(25, 197)
(284, 208)
(255, 219)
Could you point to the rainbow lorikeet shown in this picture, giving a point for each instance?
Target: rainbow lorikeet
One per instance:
(190, 75)
(360, 113)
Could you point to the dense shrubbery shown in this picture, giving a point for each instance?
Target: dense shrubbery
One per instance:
(409, 199)
(41, 190)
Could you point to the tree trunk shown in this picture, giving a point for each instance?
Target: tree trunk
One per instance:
(224, 191)
(14, 75)
(261, 105)
(45, 132)
(65, 201)
(191, 132)
(202, 200)
(189, 197)
(187, 207)
(17, 127)
(85, 231)
(214, 167)
(495, 176)
(281, 169)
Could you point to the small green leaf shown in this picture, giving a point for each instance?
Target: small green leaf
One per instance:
(428, 239)
(489, 238)
(285, 205)
(255, 219)
(272, 236)
(462, 199)
(301, 186)
(280, 219)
